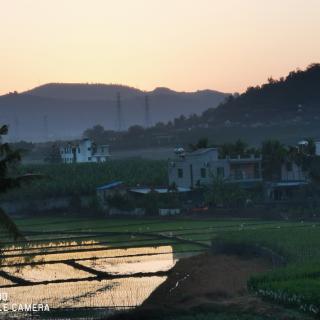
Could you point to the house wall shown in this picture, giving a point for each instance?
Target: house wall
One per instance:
(105, 193)
(84, 151)
(199, 169)
(317, 148)
(169, 212)
(245, 171)
(67, 154)
(292, 172)
(196, 171)
(101, 154)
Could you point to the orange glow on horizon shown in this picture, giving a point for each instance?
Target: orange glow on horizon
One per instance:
(185, 45)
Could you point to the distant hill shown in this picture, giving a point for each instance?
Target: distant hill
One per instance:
(84, 91)
(287, 109)
(295, 98)
(61, 110)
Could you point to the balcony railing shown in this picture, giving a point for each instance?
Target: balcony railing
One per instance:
(245, 177)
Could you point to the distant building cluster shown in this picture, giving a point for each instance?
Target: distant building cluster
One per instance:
(196, 169)
(190, 172)
(84, 151)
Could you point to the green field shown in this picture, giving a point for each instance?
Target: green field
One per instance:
(298, 282)
(62, 180)
(57, 240)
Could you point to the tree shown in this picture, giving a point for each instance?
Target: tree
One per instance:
(96, 133)
(201, 144)
(8, 158)
(239, 148)
(136, 130)
(151, 203)
(54, 155)
(221, 193)
(273, 155)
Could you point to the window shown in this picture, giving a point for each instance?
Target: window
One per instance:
(203, 172)
(220, 172)
(180, 173)
(289, 166)
(78, 149)
(89, 158)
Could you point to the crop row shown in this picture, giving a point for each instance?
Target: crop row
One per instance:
(301, 293)
(82, 179)
(298, 282)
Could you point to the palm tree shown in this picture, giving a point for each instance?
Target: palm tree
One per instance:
(239, 148)
(274, 154)
(201, 144)
(8, 158)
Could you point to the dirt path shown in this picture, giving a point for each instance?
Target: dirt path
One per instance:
(215, 281)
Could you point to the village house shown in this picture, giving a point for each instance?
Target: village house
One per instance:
(293, 178)
(110, 189)
(84, 151)
(188, 172)
(197, 168)
(117, 188)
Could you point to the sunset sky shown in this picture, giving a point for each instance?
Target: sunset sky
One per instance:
(182, 44)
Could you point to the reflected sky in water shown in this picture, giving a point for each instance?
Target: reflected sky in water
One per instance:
(124, 292)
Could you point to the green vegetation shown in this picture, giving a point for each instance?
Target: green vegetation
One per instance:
(82, 179)
(8, 158)
(222, 194)
(285, 109)
(297, 283)
(80, 238)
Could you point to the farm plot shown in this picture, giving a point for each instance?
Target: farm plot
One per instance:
(105, 263)
(297, 283)
(87, 274)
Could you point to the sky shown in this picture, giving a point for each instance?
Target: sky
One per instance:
(185, 45)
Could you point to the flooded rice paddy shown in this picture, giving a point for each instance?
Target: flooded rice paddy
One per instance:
(86, 275)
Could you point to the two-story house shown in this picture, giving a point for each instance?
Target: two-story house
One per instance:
(84, 151)
(293, 178)
(197, 168)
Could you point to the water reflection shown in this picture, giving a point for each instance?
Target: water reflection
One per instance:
(125, 292)
(128, 292)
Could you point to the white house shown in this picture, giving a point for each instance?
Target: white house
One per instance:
(317, 148)
(194, 169)
(84, 151)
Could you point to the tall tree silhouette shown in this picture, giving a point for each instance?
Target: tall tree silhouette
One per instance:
(8, 157)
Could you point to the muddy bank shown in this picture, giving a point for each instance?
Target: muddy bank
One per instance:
(206, 278)
(217, 282)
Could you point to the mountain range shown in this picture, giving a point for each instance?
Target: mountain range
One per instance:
(64, 111)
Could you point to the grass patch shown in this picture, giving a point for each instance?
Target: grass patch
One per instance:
(298, 283)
